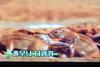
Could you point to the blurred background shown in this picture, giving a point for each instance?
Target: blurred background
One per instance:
(47, 10)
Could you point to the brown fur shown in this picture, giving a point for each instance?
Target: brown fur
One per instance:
(82, 39)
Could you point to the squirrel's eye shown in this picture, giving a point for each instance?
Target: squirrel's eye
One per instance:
(55, 32)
